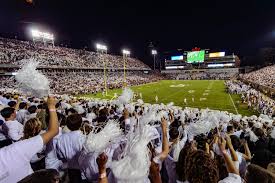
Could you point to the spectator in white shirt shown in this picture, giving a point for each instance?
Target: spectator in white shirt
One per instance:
(15, 158)
(12, 128)
(32, 112)
(69, 146)
(22, 113)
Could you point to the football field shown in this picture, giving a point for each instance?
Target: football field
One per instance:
(186, 93)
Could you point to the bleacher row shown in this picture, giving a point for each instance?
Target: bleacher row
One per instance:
(14, 51)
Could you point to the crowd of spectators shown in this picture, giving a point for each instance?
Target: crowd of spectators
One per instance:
(86, 82)
(202, 76)
(264, 76)
(253, 98)
(84, 141)
(15, 51)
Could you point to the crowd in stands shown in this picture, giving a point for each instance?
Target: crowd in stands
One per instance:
(65, 139)
(15, 51)
(264, 76)
(254, 99)
(202, 75)
(86, 82)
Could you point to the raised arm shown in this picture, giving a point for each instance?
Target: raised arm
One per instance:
(231, 148)
(53, 122)
(101, 163)
(154, 174)
(228, 161)
(247, 153)
(165, 146)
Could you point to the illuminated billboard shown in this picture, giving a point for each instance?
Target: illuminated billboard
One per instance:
(179, 57)
(220, 65)
(195, 56)
(217, 54)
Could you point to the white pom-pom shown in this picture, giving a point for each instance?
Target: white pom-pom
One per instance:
(253, 137)
(79, 109)
(170, 104)
(31, 80)
(130, 108)
(140, 102)
(126, 96)
(91, 116)
(98, 142)
(134, 167)
(66, 97)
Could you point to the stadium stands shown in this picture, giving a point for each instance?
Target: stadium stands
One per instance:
(264, 76)
(14, 51)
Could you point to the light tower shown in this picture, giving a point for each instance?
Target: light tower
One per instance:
(126, 54)
(44, 37)
(102, 50)
(154, 53)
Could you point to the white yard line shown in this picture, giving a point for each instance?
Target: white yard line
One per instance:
(233, 103)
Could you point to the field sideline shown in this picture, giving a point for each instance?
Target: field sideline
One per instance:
(186, 93)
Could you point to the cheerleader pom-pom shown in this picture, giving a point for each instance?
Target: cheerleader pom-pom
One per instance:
(31, 80)
(98, 142)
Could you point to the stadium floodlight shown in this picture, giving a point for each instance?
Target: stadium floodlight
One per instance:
(41, 35)
(126, 52)
(101, 47)
(154, 53)
(35, 33)
(48, 36)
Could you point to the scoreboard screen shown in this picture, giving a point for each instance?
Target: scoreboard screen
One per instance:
(195, 56)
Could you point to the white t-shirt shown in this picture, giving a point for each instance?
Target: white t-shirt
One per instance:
(21, 115)
(15, 159)
(51, 160)
(232, 178)
(69, 146)
(13, 129)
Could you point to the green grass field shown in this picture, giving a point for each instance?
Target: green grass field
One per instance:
(206, 94)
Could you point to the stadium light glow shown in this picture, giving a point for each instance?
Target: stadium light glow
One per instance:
(101, 47)
(41, 35)
(154, 52)
(126, 52)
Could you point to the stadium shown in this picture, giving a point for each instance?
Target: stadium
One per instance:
(93, 114)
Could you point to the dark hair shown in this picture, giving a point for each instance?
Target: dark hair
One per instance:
(256, 174)
(229, 128)
(223, 173)
(12, 103)
(259, 132)
(201, 168)
(30, 99)
(57, 105)
(42, 176)
(7, 112)
(250, 124)
(173, 133)
(74, 122)
(181, 163)
(201, 141)
(71, 110)
(22, 105)
(32, 109)
(235, 142)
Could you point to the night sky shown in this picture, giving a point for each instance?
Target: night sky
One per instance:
(233, 26)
